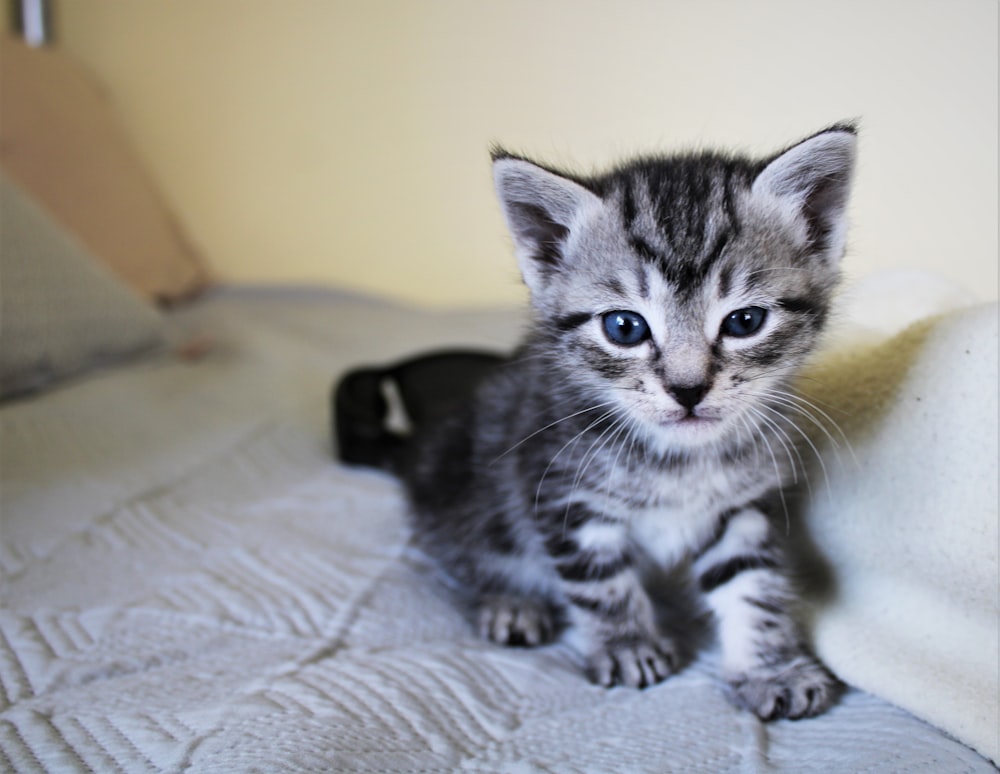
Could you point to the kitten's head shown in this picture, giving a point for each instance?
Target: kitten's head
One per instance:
(684, 289)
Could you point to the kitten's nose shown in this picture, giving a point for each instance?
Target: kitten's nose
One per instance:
(688, 396)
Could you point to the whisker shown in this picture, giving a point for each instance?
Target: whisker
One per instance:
(797, 375)
(627, 423)
(813, 380)
(575, 439)
(783, 438)
(777, 472)
(804, 407)
(596, 447)
(551, 425)
(812, 446)
(789, 402)
(622, 428)
(753, 438)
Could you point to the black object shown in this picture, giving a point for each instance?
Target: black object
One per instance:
(375, 410)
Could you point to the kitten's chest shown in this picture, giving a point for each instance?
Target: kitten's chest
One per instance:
(673, 513)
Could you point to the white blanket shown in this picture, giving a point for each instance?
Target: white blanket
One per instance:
(905, 516)
(190, 583)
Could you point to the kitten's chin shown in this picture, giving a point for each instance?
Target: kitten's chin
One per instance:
(688, 433)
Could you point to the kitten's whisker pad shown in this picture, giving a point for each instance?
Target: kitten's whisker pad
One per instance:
(648, 415)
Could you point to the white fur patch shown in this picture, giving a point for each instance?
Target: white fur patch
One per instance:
(595, 536)
(736, 620)
(668, 535)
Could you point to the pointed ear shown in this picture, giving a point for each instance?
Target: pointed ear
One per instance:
(542, 209)
(812, 180)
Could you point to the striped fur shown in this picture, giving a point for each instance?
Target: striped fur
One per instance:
(604, 445)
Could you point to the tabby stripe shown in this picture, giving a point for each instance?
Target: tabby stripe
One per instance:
(559, 545)
(686, 276)
(628, 208)
(800, 305)
(778, 346)
(767, 606)
(721, 523)
(569, 518)
(729, 203)
(613, 608)
(613, 285)
(643, 281)
(499, 534)
(598, 359)
(716, 252)
(588, 567)
(725, 281)
(570, 321)
(644, 250)
(815, 311)
(722, 573)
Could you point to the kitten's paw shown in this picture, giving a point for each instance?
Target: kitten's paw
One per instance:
(798, 689)
(516, 621)
(635, 663)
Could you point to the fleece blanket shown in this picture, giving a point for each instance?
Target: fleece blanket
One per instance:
(190, 583)
(903, 511)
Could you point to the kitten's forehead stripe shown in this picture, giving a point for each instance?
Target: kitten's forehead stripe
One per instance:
(725, 281)
(691, 215)
(644, 250)
(643, 281)
(721, 241)
(628, 208)
(614, 286)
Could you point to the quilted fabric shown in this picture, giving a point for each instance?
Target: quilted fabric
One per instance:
(192, 584)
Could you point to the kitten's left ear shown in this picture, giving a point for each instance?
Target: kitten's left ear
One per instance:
(813, 181)
(542, 209)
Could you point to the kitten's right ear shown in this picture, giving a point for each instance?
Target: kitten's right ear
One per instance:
(542, 209)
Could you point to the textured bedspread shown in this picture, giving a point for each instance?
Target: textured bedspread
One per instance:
(191, 583)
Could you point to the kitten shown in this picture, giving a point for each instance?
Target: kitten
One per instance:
(646, 416)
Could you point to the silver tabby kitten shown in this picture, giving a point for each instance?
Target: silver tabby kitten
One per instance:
(646, 417)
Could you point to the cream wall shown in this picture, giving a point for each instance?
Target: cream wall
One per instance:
(346, 141)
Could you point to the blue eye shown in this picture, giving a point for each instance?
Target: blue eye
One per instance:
(744, 322)
(626, 329)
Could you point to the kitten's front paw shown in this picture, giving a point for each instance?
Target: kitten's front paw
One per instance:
(636, 662)
(515, 621)
(798, 689)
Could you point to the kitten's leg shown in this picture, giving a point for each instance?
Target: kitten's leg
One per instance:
(764, 659)
(611, 619)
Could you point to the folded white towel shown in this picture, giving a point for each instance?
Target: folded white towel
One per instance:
(908, 524)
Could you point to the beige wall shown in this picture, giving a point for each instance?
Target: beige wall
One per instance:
(345, 141)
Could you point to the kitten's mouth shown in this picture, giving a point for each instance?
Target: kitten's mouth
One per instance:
(690, 430)
(694, 420)
(690, 423)
(696, 417)
(694, 425)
